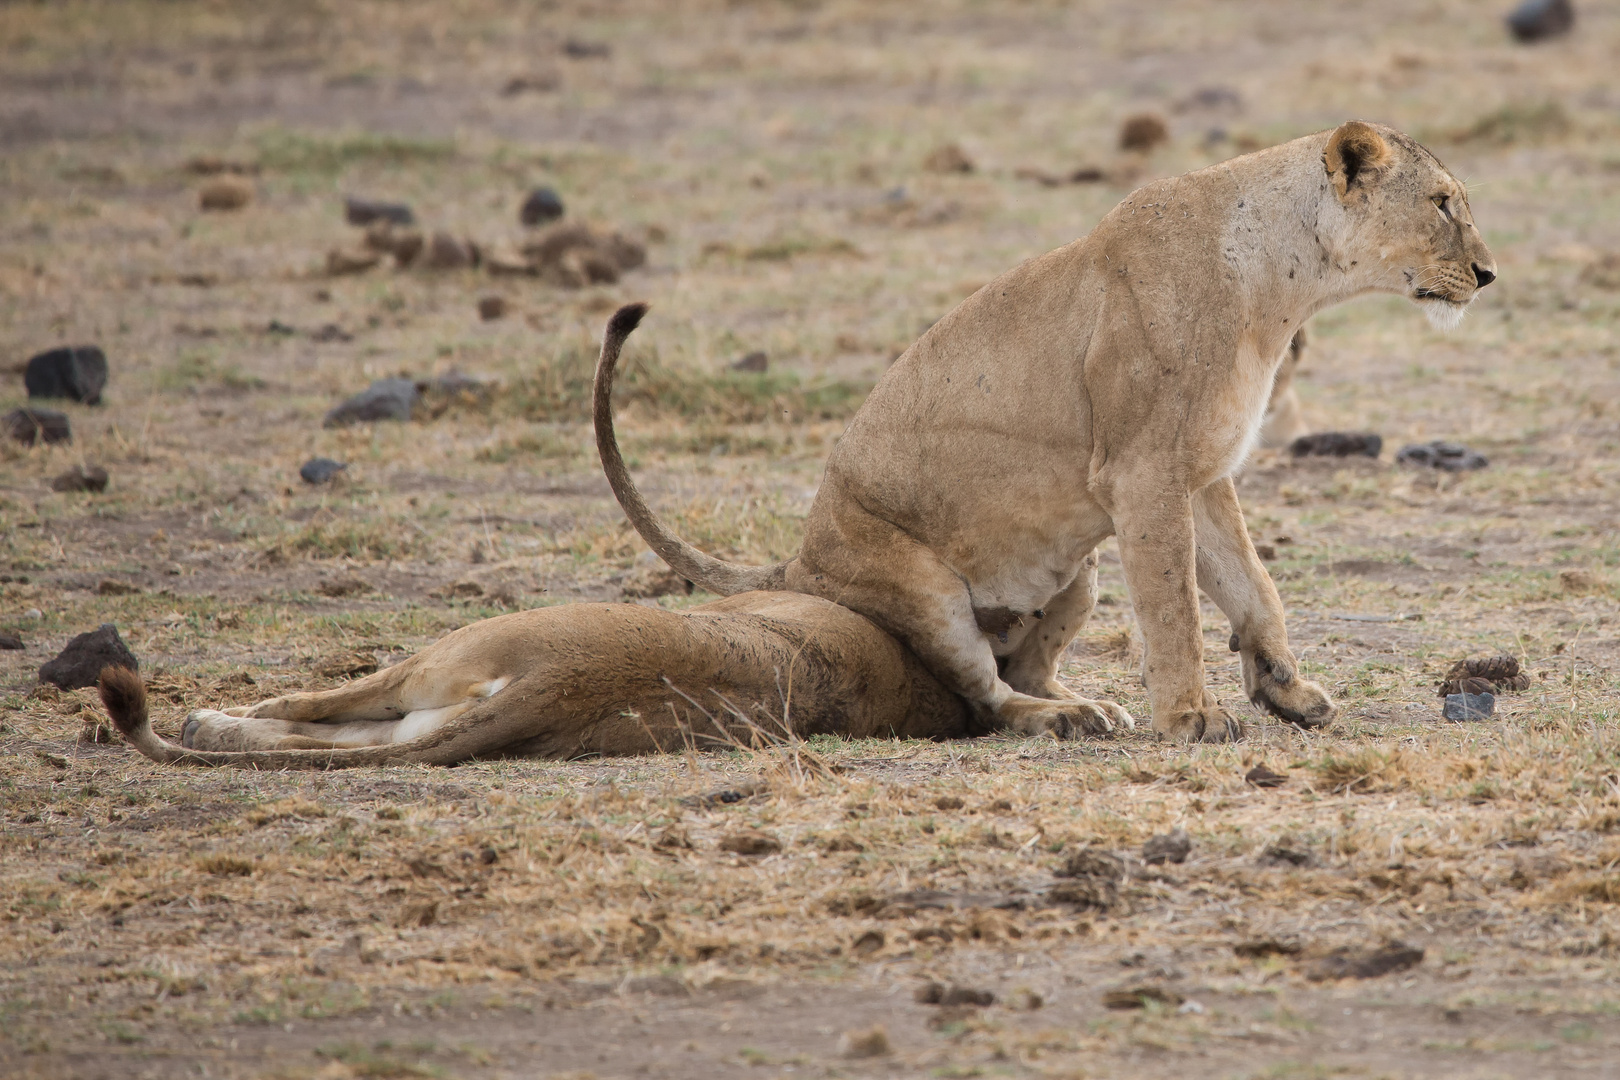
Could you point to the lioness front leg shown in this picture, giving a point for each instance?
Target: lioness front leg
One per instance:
(1232, 575)
(1155, 532)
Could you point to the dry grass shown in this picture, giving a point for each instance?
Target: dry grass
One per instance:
(774, 158)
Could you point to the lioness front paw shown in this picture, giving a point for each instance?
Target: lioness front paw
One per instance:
(1068, 719)
(1209, 723)
(1276, 687)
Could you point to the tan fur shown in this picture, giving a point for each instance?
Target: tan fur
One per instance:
(1285, 420)
(1110, 387)
(579, 680)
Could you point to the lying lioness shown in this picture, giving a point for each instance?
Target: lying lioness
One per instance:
(1109, 388)
(578, 680)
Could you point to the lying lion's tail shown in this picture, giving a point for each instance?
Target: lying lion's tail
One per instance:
(123, 692)
(703, 570)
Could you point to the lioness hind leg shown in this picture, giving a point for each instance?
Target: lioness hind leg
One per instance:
(1032, 668)
(913, 595)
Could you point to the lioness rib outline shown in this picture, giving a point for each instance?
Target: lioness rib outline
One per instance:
(1113, 386)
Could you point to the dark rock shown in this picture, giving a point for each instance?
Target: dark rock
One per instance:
(80, 663)
(10, 641)
(491, 307)
(81, 478)
(1286, 853)
(320, 470)
(586, 50)
(573, 255)
(1337, 444)
(536, 82)
(30, 426)
(385, 399)
(1260, 948)
(1262, 777)
(1143, 132)
(364, 211)
(329, 333)
(280, 329)
(1469, 706)
(76, 372)
(542, 207)
(1440, 454)
(1536, 20)
(1170, 847)
(1365, 963)
(756, 362)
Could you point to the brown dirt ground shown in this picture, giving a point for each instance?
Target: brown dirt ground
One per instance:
(523, 919)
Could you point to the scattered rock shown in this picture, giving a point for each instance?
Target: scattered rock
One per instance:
(76, 372)
(330, 332)
(1266, 552)
(400, 241)
(11, 642)
(491, 307)
(343, 261)
(1440, 454)
(320, 470)
(575, 255)
(358, 211)
(868, 943)
(1211, 98)
(1262, 777)
(1287, 852)
(1261, 948)
(385, 399)
(750, 842)
(756, 362)
(1337, 444)
(79, 664)
(1364, 963)
(1085, 174)
(934, 993)
(30, 426)
(1579, 582)
(1469, 706)
(1170, 847)
(542, 206)
(81, 478)
(114, 587)
(1093, 881)
(343, 586)
(280, 329)
(345, 665)
(446, 252)
(869, 1043)
(949, 158)
(1140, 997)
(535, 82)
(1492, 675)
(1537, 20)
(1024, 999)
(577, 49)
(1142, 132)
(226, 191)
(948, 802)
(213, 165)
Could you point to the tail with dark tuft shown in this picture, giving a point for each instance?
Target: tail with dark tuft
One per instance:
(123, 692)
(715, 575)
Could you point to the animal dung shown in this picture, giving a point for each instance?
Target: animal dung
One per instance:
(359, 211)
(1492, 675)
(869, 1043)
(1537, 20)
(750, 842)
(1365, 963)
(1440, 454)
(756, 362)
(1469, 706)
(1337, 444)
(949, 158)
(1140, 997)
(953, 996)
(81, 478)
(1143, 132)
(320, 470)
(32, 426)
(80, 662)
(491, 307)
(1170, 847)
(227, 191)
(75, 372)
(541, 207)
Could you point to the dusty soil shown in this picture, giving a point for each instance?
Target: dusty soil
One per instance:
(579, 919)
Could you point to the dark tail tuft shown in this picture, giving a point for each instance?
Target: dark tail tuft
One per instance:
(625, 320)
(123, 692)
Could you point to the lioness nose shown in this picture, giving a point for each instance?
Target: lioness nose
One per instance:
(1482, 276)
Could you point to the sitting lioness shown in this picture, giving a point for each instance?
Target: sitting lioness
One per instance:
(1109, 388)
(577, 680)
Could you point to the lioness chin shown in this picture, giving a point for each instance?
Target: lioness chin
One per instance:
(1109, 388)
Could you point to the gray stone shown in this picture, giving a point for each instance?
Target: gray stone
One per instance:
(1469, 706)
(320, 470)
(80, 663)
(1440, 454)
(541, 207)
(385, 399)
(30, 426)
(1535, 20)
(76, 372)
(364, 211)
(1170, 847)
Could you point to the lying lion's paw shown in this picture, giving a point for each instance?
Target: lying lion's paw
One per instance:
(210, 729)
(1211, 724)
(1068, 719)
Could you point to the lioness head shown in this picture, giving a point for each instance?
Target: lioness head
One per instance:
(1414, 214)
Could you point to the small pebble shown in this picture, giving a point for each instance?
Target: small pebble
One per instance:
(33, 613)
(358, 211)
(491, 307)
(1469, 706)
(30, 426)
(226, 191)
(1170, 847)
(871, 1043)
(320, 470)
(81, 478)
(11, 641)
(1536, 20)
(1440, 454)
(755, 362)
(542, 206)
(1143, 132)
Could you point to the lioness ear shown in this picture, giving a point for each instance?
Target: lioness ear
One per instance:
(1355, 152)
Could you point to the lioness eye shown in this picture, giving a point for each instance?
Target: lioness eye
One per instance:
(1442, 203)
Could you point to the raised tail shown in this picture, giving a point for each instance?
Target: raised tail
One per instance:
(705, 571)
